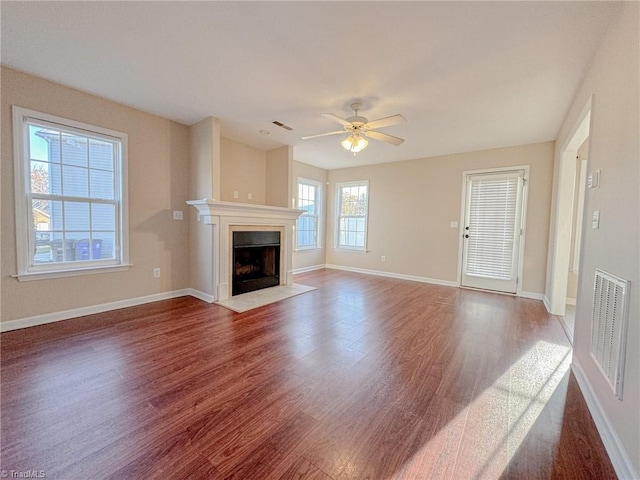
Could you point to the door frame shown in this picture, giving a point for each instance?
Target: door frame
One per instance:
(560, 224)
(523, 217)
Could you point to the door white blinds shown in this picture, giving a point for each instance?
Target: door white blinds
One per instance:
(493, 208)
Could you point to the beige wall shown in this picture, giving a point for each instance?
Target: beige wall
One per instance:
(316, 256)
(158, 184)
(614, 149)
(242, 169)
(279, 177)
(411, 204)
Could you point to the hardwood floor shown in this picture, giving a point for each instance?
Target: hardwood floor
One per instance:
(363, 378)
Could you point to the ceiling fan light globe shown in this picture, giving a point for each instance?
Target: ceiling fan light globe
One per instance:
(354, 143)
(361, 144)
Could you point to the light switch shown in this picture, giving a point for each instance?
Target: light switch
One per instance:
(595, 219)
(177, 215)
(593, 180)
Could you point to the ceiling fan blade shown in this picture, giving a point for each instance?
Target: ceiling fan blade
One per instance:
(385, 122)
(323, 134)
(383, 137)
(335, 118)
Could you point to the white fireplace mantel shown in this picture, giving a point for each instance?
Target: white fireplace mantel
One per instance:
(209, 208)
(225, 217)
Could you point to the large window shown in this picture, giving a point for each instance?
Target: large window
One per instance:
(308, 226)
(70, 195)
(352, 208)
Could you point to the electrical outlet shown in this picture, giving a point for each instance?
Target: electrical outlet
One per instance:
(156, 273)
(235, 194)
(177, 215)
(250, 196)
(383, 258)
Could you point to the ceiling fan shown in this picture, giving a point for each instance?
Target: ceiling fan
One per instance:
(359, 127)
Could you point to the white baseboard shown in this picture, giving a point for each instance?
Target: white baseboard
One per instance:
(547, 305)
(308, 269)
(400, 276)
(205, 297)
(532, 295)
(82, 311)
(570, 301)
(617, 453)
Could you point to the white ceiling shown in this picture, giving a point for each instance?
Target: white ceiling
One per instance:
(466, 75)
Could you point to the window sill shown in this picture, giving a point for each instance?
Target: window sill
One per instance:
(31, 276)
(307, 249)
(352, 250)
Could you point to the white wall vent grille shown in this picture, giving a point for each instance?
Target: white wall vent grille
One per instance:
(609, 327)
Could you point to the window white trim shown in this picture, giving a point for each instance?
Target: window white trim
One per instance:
(338, 209)
(319, 212)
(24, 227)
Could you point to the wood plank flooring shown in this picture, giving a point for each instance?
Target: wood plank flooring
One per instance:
(363, 378)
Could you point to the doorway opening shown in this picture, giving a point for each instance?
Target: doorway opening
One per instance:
(569, 223)
(579, 187)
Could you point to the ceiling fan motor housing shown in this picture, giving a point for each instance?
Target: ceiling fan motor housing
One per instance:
(357, 121)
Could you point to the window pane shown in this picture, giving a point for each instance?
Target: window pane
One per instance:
(76, 216)
(38, 146)
(41, 214)
(103, 217)
(75, 181)
(102, 184)
(56, 219)
(74, 150)
(39, 177)
(104, 245)
(101, 155)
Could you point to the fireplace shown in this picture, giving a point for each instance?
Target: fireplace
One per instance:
(214, 269)
(256, 260)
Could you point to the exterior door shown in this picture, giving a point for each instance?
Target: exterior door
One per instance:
(492, 229)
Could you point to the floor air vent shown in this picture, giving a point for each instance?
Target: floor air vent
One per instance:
(609, 327)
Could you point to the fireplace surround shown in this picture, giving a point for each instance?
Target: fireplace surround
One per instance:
(228, 218)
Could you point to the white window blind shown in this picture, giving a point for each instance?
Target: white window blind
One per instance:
(492, 214)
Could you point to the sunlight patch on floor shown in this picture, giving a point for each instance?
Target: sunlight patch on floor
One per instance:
(496, 422)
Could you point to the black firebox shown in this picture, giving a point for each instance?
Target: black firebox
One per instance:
(256, 261)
